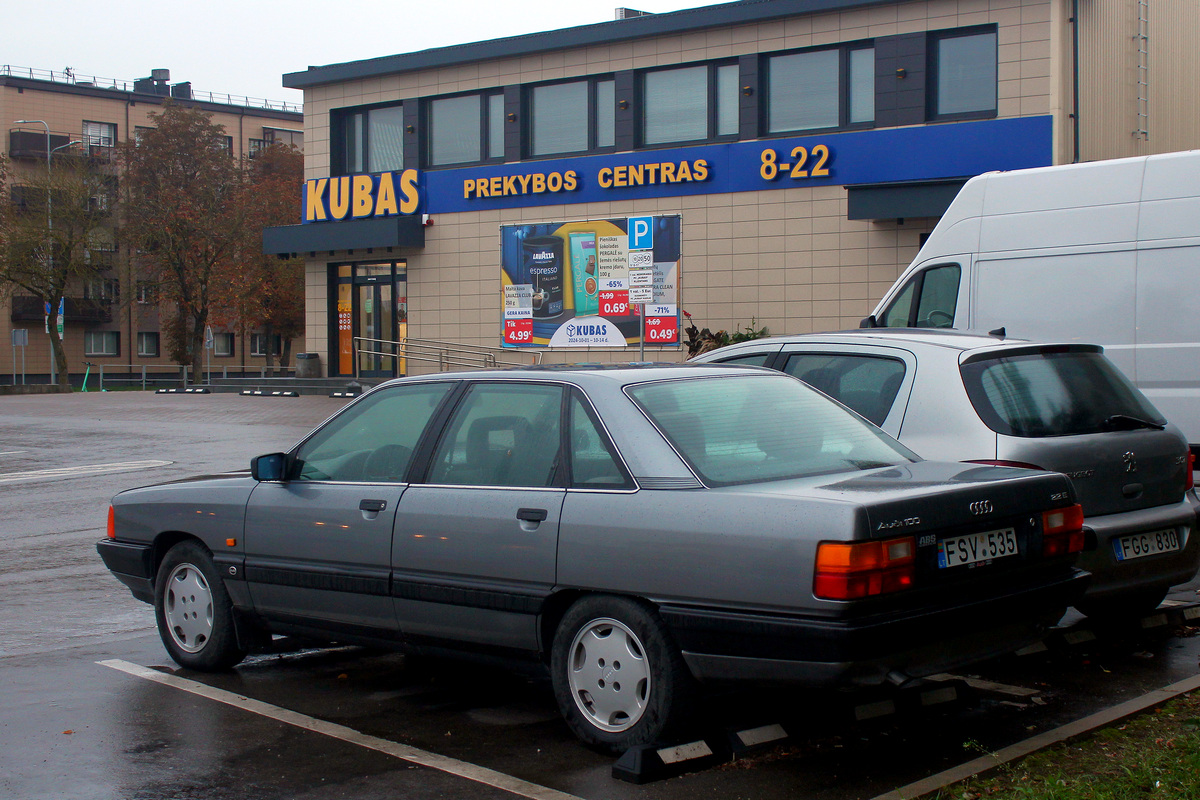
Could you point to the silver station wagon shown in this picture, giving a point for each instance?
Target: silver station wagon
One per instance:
(1064, 407)
(636, 531)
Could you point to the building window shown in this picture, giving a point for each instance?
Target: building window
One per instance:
(689, 104)
(572, 117)
(147, 293)
(258, 344)
(99, 134)
(963, 74)
(147, 345)
(465, 129)
(495, 124)
(104, 290)
(222, 344)
(369, 139)
(225, 143)
(284, 136)
(102, 343)
(805, 90)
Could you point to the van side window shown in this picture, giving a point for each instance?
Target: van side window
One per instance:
(928, 300)
(939, 297)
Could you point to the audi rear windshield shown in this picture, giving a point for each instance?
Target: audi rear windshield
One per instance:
(762, 427)
(1056, 393)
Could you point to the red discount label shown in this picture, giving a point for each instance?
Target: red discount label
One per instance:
(614, 303)
(518, 331)
(662, 330)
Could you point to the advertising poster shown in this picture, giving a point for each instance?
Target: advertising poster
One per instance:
(567, 284)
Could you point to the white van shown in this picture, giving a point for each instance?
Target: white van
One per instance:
(1105, 252)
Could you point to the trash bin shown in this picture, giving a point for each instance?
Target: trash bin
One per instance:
(308, 365)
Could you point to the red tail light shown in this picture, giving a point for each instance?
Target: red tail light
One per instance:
(112, 524)
(1002, 463)
(1189, 480)
(847, 571)
(1062, 531)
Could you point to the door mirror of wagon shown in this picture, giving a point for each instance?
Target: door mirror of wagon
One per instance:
(271, 467)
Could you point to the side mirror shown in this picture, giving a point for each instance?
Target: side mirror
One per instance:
(271, 467)
(869, 322)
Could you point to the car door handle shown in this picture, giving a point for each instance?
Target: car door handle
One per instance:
(372, 505)
(532, 514)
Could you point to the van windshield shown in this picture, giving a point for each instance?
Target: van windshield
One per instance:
(1056, 394)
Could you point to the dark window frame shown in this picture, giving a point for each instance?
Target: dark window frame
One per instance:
(484, 137)
(89, 348)
(712, 98)
(141, 337)
(338, 118)
(932, 76)
(843, 89)
(527, 111)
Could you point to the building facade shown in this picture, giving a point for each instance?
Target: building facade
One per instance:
(113, 319)
(793, 154)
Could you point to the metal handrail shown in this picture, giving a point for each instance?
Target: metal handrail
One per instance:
(447, 355)
(71, 76)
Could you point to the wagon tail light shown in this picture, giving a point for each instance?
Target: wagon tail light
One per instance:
(112, 523)
(1062, 531)
(1189, 480)
(847, 571)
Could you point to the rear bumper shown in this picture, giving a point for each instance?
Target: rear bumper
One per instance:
(730, 646)
(1111, 577)
(132, 564)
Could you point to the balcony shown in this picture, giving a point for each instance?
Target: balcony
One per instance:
(77, 309)
(29, 144)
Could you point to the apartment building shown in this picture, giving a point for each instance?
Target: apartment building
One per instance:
(113, 319)
(769, 163)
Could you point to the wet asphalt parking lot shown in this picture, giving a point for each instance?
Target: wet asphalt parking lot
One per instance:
(93, 707)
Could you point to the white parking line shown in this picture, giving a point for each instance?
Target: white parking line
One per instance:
(452, 766)
(84, 469)
(13, 452)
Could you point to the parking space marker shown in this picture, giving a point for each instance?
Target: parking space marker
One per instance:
(87, 469)
(1021, 749)
(413, 755)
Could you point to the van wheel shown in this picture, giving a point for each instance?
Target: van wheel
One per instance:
(618, 678)
(193, 610)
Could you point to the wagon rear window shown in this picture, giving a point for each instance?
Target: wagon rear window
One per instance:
(760, 428)
(1055, 394)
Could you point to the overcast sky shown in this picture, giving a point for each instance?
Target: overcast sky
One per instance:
(244, 48)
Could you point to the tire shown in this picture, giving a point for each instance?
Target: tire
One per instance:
(193, 610)
(1126, 605)
(618, 678)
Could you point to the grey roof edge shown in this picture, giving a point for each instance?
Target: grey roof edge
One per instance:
(691, 19)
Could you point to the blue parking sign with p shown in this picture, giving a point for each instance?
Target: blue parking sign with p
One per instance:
(641, 233)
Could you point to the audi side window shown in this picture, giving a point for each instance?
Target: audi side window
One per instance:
(503, 434)
(594, 464)
(372, 440)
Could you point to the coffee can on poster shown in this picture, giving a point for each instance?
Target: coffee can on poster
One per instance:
(542, 264)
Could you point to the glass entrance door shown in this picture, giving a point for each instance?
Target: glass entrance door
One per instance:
(372, 306)
(376, 329)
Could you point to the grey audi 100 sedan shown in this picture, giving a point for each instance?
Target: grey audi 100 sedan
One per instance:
(636, 531)
(960, 396)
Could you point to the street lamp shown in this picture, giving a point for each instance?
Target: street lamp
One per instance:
(49, 214)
